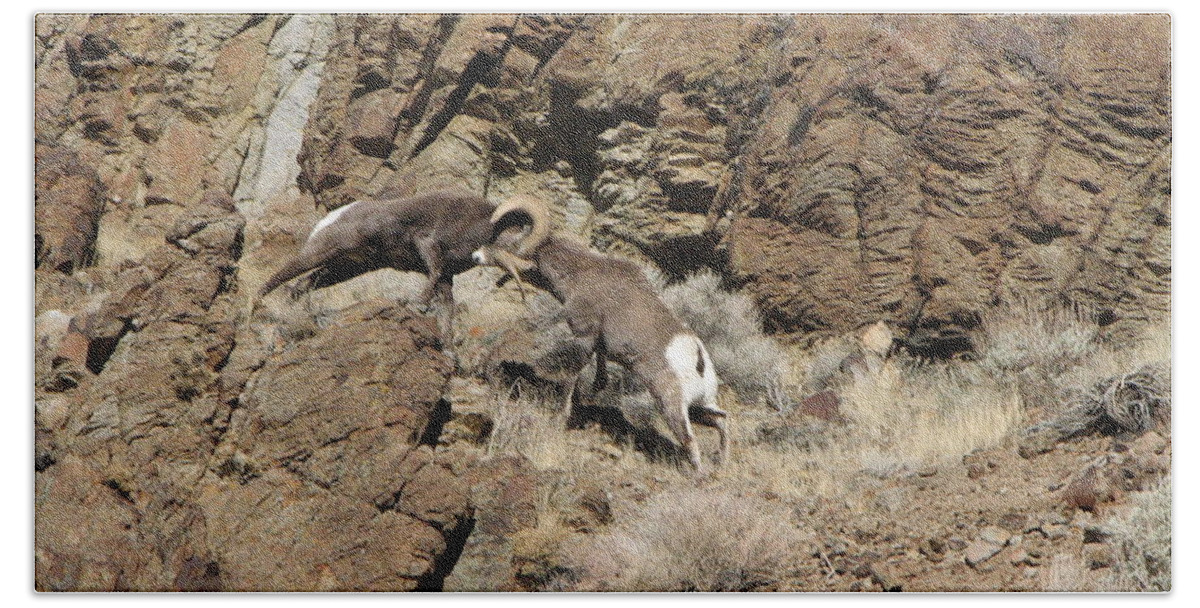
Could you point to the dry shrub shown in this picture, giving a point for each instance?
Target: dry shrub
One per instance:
(1046, 338)
(730, 326)
(1133, 402)
(1032, 346)
(820, 366)
(1119, 355)
(1068, 574)
(1141, 542)
(692, 540)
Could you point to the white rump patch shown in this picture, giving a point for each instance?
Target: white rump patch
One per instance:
(329, 219)
(684, 354)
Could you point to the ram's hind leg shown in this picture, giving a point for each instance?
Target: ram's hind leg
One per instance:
(715, 418)
(670, 403)
(601, 380)
(302, 263)
(569, 395)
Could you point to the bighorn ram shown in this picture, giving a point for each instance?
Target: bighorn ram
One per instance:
(612, 308)
(432, 233)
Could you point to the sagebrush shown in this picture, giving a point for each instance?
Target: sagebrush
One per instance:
(1141, 542)
(693, 540)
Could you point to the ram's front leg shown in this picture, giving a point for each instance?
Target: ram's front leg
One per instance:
(431, 256)
(601, 351)
(442, 302)
(584, 348)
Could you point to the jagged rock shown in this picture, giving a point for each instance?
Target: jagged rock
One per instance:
(69, 201)
(505, 498)
(276, 533)
(886, 576)
(338, 424)
(933, 549)
(822, 405)
(990, 541)
(99, 532)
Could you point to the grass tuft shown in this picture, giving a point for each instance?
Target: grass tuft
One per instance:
(528, 423)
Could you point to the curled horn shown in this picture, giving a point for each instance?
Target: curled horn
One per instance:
(539, 216)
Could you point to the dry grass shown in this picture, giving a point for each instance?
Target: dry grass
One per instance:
(906, 416)
(817, 367)
(899, 417)
(693, 540)
(794, 474)
(527, 423)
(1048, 351)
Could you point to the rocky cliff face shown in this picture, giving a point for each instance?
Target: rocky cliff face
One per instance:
(845, 170)
(911, 169)
(920, 169)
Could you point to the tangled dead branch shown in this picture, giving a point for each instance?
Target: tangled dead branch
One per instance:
(1133, 402)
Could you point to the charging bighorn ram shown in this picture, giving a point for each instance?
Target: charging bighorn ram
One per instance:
(612, 308)
(433, 233)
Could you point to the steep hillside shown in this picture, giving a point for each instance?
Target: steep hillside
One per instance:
(915, 173)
